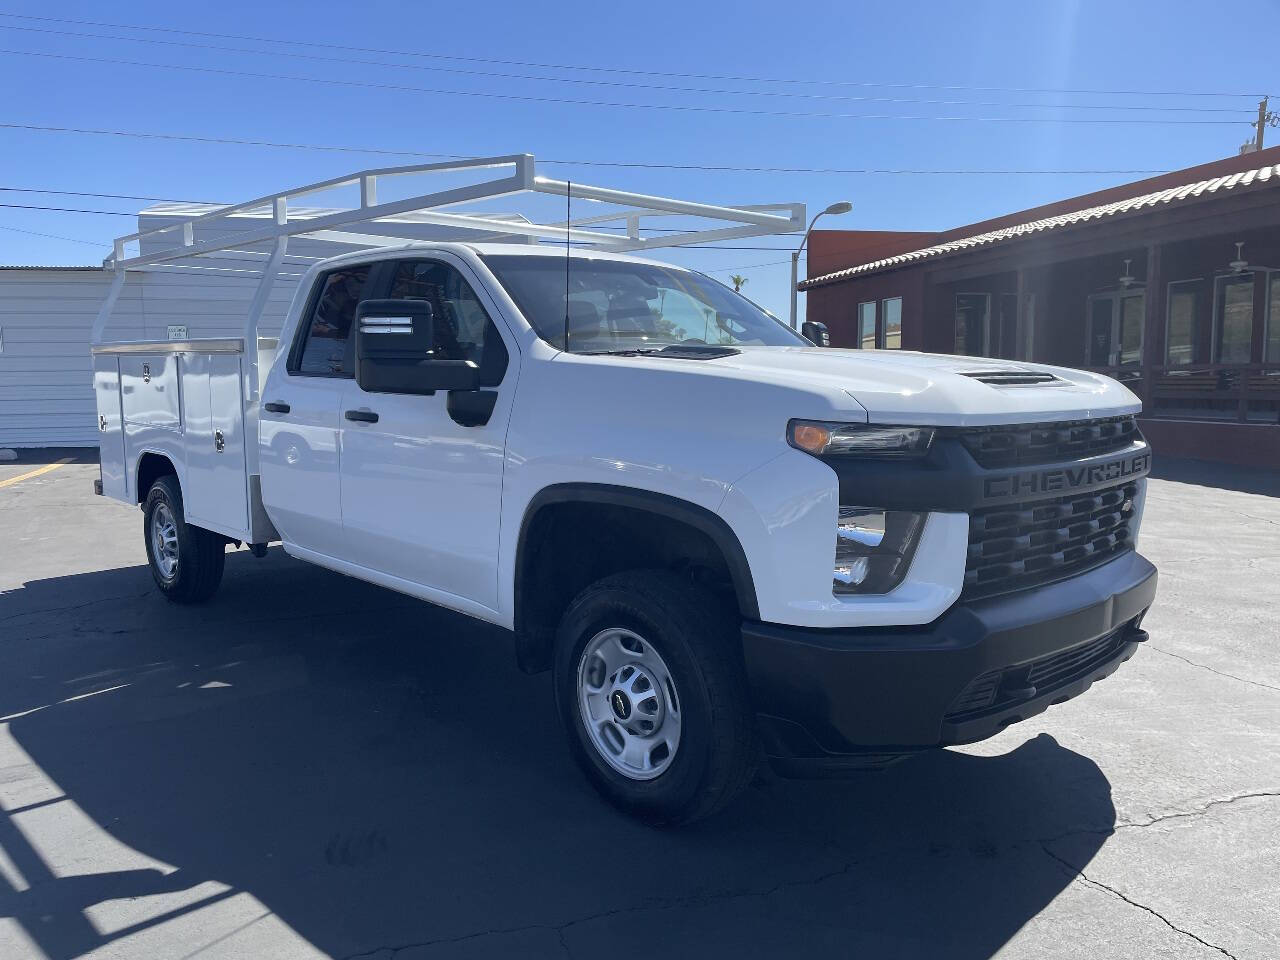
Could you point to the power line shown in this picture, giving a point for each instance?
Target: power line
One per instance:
(666, 88)
(611, 104)
(624, 70)
(699, 167)
(29, 206)
(54, 236)
(749, 266)
(99, 196)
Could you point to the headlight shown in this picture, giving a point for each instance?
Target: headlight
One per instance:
(874, 548)
(820, 438)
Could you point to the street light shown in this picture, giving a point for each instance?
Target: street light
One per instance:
(843, 206)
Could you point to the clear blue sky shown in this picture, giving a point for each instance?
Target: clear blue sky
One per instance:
(901, 52)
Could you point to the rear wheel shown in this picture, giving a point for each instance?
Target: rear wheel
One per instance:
(186, 562)
(651, 689)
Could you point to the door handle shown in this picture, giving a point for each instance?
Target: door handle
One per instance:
(276, 407)
(363, 416)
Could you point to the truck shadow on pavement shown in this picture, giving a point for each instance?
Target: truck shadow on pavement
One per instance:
(369, 773)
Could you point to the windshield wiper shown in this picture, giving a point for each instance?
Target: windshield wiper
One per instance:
(674, 351)
(621, 352)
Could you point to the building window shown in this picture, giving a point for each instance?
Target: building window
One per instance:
(973, 312)
(1273, 319)
(1182, 326)
(1233, 314)
(867, 325)
(891, 310)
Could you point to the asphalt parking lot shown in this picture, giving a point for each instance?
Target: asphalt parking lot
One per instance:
(311, 766)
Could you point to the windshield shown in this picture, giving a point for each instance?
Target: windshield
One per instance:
(625, 307)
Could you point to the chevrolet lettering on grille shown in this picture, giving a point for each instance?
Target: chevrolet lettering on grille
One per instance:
(1060, 479)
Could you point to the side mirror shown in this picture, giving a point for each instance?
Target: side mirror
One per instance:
(816, 333)
(395, 341)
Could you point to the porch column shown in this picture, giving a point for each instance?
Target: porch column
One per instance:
(1020, 317)
(1153, 325)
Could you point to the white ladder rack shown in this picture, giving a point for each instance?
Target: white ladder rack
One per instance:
(515, 174)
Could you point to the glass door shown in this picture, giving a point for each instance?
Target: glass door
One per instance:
(1233, 319)
(1115, 328)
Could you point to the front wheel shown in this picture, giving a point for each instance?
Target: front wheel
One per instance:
(186, 562)
(652, 692)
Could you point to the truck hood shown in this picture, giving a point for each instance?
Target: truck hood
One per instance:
(904, 387)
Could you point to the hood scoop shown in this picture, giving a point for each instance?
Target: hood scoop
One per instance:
(1010, 378)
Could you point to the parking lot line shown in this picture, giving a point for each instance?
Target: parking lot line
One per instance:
(35, 473)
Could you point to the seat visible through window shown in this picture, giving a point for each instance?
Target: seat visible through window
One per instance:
(462, 327)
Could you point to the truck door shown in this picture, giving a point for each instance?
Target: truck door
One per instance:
(299, 417)
(421, 493)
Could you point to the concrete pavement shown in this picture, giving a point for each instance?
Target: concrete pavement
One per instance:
(311, 766)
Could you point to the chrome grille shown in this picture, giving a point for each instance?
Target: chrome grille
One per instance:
(1030, 443)
(1027, 544)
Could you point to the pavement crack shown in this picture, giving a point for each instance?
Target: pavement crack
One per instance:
(388, 952)
(1250, 516)
(1082, 876)
(1199, 811)
(1221, 673)
(75, 606)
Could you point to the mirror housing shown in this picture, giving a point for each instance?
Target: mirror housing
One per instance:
(816, 333)
(395, 342)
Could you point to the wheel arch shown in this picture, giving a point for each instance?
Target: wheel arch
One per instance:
(669, 527)
(151, 465)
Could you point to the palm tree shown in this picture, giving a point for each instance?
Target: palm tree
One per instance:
(737, 280)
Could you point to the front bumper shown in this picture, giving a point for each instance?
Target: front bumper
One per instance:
(829, 700)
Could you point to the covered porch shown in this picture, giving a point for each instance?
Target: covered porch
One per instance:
(1193, 327)
(1185, 310)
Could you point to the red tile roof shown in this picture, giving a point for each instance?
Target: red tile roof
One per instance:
(1261, 177)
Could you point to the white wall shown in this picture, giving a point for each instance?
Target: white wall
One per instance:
(46, 315)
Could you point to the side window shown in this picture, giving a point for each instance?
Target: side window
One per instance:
(324, 349)
(463, 330)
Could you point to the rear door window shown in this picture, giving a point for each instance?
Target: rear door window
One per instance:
(324, 350)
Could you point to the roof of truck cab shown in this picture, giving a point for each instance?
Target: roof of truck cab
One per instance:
(494, 250)
(557, 250)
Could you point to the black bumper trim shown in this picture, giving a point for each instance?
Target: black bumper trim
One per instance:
(830, 698)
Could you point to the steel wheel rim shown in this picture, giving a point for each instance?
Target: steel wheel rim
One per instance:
(628, 703)
(164, 540)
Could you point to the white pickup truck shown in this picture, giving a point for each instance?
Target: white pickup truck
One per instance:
(725, 542)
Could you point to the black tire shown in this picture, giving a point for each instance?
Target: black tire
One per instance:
(696, 635)
(201, 553)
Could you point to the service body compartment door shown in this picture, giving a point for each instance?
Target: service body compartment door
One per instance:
(106, 391)
(151, 390)
(215, 494)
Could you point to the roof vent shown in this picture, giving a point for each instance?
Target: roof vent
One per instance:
(1010, 378)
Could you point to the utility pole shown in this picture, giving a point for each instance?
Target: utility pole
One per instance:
(1266, 118)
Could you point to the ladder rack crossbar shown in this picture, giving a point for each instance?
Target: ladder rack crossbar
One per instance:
(181, 237)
